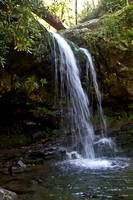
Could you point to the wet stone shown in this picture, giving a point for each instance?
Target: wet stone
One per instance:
(37, 134)
(39, 180)
(114, 133)
(126, 127)
(34, 161)
(7, 195)
(21, 164)
(15, 170)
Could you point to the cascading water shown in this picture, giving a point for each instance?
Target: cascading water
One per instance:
(90, 67)
(104, 145)
(75, 105)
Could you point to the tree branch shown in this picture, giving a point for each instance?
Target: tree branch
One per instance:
(54, 21)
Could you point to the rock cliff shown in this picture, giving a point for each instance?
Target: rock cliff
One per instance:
(27, 96)
(109, 40)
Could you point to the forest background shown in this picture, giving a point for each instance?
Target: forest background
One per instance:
(19, 19)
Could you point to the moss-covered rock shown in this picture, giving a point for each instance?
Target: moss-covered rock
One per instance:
(122, 132)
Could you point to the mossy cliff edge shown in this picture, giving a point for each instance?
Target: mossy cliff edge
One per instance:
(109, 40)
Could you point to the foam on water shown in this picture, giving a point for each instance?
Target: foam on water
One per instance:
(76, 160)
(105, 141)
(91, 164)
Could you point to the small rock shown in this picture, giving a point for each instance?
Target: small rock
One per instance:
(31, 123)
(37, 134)
(39, 180)
(126, 127)
(7, 195)
(20, 170)
(21, 164)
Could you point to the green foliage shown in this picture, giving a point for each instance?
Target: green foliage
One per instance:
(123, 115)
(110, 6)
(117, 26)
(131, 106)
(104, 7)
(30, 85)
(48, 133)
(119, 117)
(92, 14)
(45, 110)
(64, 10)
(43, 81)
(130, 117)
(112, 28)
(129, 36)
(112, 24)
(95, 120)
(2, 61)
(18, 26)
(12, 140)
(17, 85)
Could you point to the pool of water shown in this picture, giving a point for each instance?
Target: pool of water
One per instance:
(101, 179)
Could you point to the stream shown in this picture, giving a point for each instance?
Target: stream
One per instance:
(107, 179)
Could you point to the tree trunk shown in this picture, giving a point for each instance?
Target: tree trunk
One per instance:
(76, 12)
(54, 21)
(93, 3)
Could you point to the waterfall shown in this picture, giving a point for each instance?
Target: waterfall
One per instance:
(74, 102)
(90, 66)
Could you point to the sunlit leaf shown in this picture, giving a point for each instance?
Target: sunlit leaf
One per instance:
(15, 48)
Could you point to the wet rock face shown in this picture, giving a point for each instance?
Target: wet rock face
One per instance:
(8, 195)
(109, 40)
(122, 133)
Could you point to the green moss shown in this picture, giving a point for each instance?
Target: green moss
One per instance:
(13, 140)
(95, 120)
(44, 109)
(116, 25)
(116, 116)
(129, 36)
(51, 133)
(43, 81)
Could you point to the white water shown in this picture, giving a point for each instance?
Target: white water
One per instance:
(75, 107)
(90, 66)
(76, 160)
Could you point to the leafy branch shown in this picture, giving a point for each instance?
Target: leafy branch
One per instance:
(18, 26)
